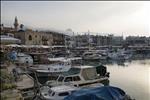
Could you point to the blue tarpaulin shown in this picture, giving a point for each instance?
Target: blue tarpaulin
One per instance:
(100, 93)
(13, 55)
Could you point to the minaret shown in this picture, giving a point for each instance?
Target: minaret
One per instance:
(16, 24)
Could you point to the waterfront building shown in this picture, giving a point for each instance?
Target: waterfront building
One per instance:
(81, 40)
(117, 40)
(58, 38)
(30, 37)
(6, 29)
(136, 40)
(98, 40)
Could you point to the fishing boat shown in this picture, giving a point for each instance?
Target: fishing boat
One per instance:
(57, 66)
(80, 76)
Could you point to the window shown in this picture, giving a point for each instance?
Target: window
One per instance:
(30, 37)
(50, 91)
(53, 93)
(63, 94)
(76, 78)
(60, 79)
(60, 68)
(68, 79)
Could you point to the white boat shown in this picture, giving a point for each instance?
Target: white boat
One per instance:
(56, 93)
(5, 39)
(22, 58)
(120, 55)
(79, 76)
(59, 65)
(91, 56)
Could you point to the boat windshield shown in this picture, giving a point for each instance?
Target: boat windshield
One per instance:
(60, 79)
(72, 71)
(50, 91)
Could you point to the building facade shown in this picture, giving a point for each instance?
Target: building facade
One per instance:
(30, 37)
(137, 40)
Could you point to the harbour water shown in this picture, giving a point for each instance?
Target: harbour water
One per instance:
(133, 77)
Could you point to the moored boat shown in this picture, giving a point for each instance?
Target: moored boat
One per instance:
(56, 93)
(80, 76)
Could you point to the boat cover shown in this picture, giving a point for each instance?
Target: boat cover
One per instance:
(100, 93)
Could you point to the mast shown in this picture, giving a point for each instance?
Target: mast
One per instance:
(89, 38)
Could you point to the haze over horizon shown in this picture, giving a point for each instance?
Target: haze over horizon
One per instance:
(118, 17)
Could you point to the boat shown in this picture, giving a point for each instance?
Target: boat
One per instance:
(99, 93)
(91, 56)
(57, 66)
(23, 58)
(7, 39)
(120, 55)
(80, 76)
(20, 58)
(56, 93)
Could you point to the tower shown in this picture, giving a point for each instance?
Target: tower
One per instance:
(16, 24)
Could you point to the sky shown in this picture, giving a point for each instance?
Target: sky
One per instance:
(116, 17)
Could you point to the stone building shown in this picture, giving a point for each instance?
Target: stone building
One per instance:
(30, 37)
(58, 38)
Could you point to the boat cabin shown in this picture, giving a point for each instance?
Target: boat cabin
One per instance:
(78, 76)
(56, 93)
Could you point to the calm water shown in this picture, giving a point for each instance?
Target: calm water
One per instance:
(133, 77)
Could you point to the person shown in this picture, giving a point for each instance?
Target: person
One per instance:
(15, 74)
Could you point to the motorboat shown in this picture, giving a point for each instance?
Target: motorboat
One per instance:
(91, 56)
(24, 58)
(56, 93)
(20, 58)
(80, 76)
(120, 55)
(99, 93)
(58, 65)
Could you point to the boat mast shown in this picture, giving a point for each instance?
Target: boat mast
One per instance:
(89, 39)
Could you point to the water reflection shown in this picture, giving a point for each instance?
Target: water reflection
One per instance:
(132, 76)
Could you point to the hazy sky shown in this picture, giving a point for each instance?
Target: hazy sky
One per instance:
(127, 17)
